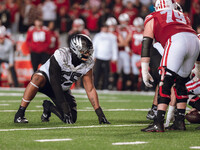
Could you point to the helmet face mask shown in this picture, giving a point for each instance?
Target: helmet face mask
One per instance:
(81, 46)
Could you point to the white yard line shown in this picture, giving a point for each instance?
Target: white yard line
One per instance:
(120, 109)
(195, 147)
(82, 91)
(52, 140)
(129, 143)
(72, 127)
(4, 104)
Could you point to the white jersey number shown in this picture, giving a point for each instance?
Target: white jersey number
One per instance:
(179, 17)
(39, 36)
(68, 78)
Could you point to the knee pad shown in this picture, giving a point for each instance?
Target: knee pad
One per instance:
(180, 90)
(166, 82)
(165, 89)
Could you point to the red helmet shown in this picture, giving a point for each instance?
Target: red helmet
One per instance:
(164, 4)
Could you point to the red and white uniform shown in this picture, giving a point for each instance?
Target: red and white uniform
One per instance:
(181, 46)
(38, 40)
(123, 62)
(114, 65)
(136, 48)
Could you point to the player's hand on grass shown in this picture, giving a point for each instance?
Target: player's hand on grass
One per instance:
(68, 118)
(101, 116)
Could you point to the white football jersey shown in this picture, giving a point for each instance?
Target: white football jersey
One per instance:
(69, 73)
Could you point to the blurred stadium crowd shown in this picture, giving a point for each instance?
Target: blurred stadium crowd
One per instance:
(58, 20)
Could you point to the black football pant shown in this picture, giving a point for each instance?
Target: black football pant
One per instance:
(58, 110)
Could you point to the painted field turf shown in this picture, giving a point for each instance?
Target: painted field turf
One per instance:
(125, 110)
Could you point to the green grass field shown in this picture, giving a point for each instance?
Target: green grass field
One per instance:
(126, 112)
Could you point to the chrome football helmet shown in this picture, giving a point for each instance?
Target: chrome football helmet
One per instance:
(111, 21)
(123, 17)
(81, 46)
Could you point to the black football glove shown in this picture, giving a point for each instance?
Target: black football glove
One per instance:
(101, 116)
(68, 119)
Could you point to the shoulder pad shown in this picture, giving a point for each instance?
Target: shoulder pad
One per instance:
(148, 18)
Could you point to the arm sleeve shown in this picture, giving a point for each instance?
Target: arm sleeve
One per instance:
(146, 45)
(55, 81)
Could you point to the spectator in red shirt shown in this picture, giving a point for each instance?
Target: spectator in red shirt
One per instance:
(13, 8)
(36, 2)
(75, 11)
(28, 13)
(93, 18)
(64, 21)
(62, 3)
(117, 8)
(195, 13)
(131, 11)
(38, 40)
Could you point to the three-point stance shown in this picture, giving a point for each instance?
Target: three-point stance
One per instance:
(55, 78)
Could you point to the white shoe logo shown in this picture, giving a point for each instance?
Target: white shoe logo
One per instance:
(155, 127)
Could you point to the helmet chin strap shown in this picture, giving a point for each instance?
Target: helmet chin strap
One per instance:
(84, 58)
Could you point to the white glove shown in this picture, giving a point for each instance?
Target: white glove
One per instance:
(196, 72)
(145, 74)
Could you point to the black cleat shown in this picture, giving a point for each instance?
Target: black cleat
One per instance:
(20, 120)
(151, 115)
(46, 110)
(155, 127)
(177, 125)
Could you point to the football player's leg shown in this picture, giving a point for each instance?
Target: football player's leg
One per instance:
(36, 82)
(152, 113)
(164, 93)
(135, 70)
(14, 76)
(171, 108)
(126, 70)
(48, 106)
(97, 72)
(155, 59)
(181, 99)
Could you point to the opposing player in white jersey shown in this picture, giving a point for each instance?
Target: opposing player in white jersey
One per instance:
(181, 48)
(55, 78)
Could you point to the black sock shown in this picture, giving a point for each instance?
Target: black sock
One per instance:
(160, 115)
(21, 111)
(180, 114)
(154, 107)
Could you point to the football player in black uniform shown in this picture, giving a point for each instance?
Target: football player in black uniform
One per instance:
(55, 78)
